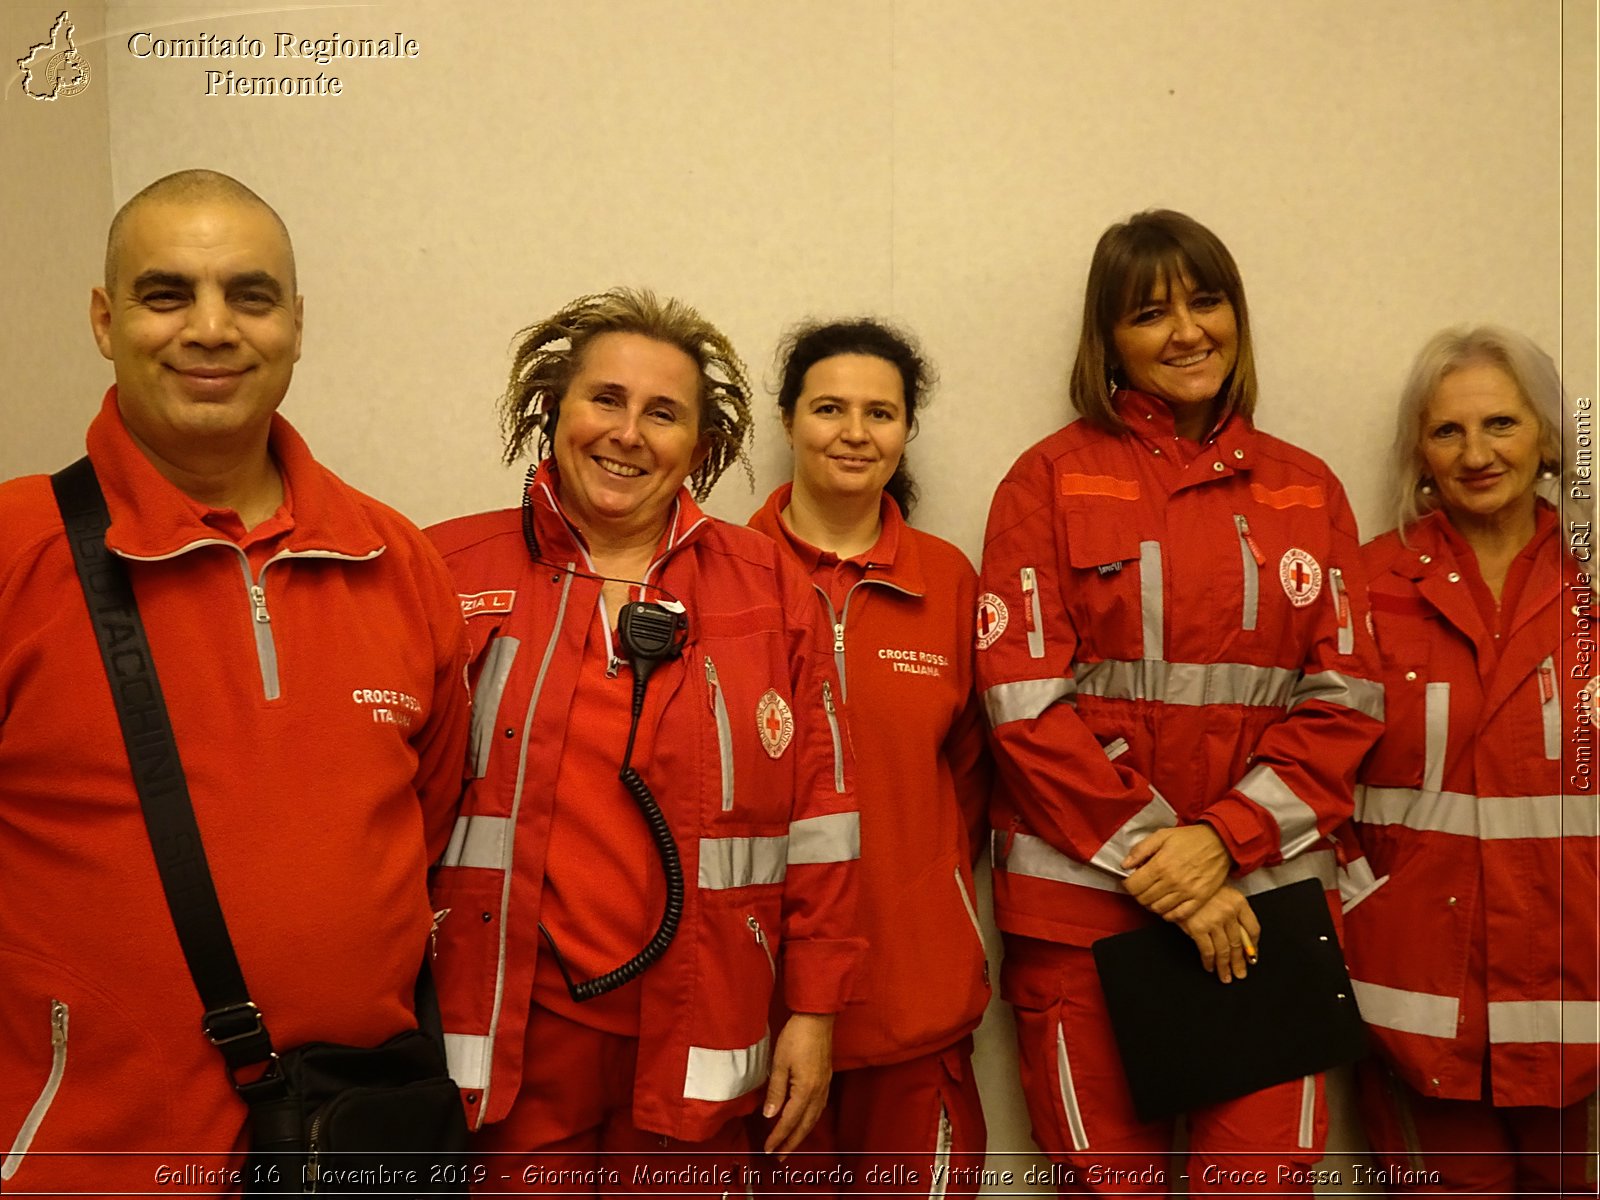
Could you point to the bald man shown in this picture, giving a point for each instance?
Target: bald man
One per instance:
(311, 651)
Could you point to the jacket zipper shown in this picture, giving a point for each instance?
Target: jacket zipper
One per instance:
(1550, 709)
(719, 710)
(261, 624)
(1341, 600)
(41, 1106)
(833, 729)
(761, 940)
(1030, 603)
(1250, 554)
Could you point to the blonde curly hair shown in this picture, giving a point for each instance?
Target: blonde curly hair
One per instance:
(549, 353)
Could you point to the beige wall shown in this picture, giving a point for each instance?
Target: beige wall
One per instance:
(1378, 169)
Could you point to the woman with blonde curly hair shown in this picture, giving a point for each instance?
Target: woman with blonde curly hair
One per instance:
(658, 827)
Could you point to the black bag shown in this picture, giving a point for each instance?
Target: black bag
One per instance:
(387, 1119)
(324, 1119)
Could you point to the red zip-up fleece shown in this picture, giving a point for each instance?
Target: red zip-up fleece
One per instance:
(321, 722)
(902, 643)
(748, 760)
(1479, 807)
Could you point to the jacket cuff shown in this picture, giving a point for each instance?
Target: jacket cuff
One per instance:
(818, 976)
(1251, 837)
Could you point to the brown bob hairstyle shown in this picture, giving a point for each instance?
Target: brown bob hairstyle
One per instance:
(1131, 261)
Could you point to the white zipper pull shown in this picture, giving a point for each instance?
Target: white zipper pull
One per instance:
(258, 596)
(827, 697)
(58, 1024)
(838, 638)
(711, 679)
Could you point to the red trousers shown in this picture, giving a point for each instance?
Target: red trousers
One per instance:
(912, 1128)
(570, 1131)
(1261, 1144)
(1425, 1145)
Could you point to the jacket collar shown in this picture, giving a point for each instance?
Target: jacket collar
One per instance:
(560, 539)
(150, 518)
(1231, 442)
(893, 558)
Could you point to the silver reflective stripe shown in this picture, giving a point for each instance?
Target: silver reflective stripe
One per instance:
(1437, 735)
(1157, 814)
(719, 1075)
(1502, 817)
(1343, 609)
(1151, 600)
(47, 1095)
(1565, 1022)
(1493, 818)
(1357, 882)
(732, 862)
(468, 1056)
(1186, 683)
(719, 715)
(1038, 859)
(1069, 1094)
(1426, 812)
(1422, 1013)
(1030, 593)
(478, 842)
(833, 838)
(1308, 1111)
(1025, 699)
(1551, 712)
(1333, 688)
(1252, 576)
(497, 662)
(1297, 823)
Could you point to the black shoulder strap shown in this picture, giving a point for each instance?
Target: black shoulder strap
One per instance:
(232, 1022)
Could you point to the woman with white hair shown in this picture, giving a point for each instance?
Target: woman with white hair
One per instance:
(1475, 959)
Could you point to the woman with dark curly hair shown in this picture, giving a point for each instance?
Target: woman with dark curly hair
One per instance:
(658, 824)
(900, 604)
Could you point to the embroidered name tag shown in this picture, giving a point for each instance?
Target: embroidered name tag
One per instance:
(479, 603)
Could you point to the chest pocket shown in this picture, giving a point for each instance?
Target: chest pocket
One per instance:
(1416, 708)
(1115, 591)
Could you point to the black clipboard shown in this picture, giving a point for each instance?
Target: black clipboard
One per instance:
(1187, 1039)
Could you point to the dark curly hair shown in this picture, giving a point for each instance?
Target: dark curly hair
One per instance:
(548, 356)
(808, 344)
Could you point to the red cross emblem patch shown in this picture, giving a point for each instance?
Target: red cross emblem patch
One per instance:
(774, 722)
(992, 618)
(1300, 575)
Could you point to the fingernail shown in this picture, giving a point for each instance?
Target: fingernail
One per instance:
(770, 1110)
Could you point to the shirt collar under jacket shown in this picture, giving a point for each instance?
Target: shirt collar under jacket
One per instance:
(560, 539)
(893, 558)
(1434, 545)
(152, 519)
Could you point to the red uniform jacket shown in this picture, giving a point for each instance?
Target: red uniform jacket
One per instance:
(1163, 644)
(903, 647)
(1479, 804)
(321, 724)
(750, 766)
